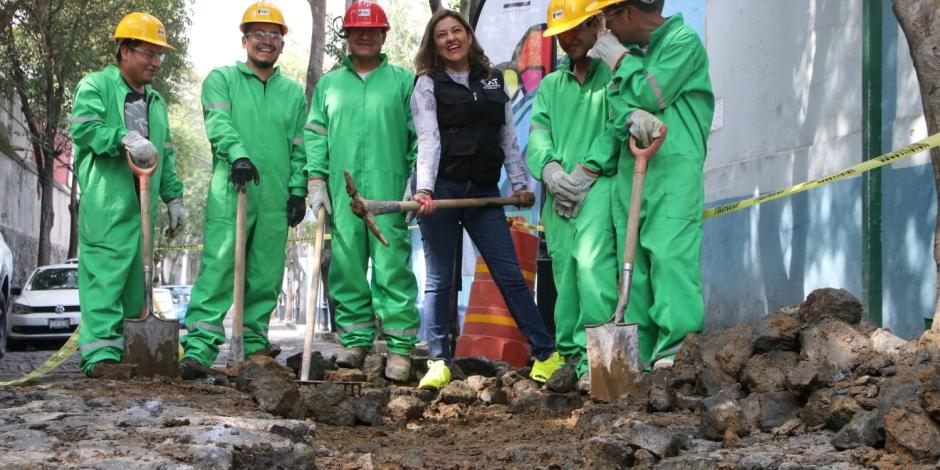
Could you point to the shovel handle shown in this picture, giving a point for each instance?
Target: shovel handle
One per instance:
(237, 351)
(642, 156)
(313, 294)
(146, 243)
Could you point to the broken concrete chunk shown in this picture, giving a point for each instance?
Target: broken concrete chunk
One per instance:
(835, 342)
(777, 332)
(722, 412)
(767, 411)
(911, 435)
(458, 392)
(765, 373)
(824, 303)
(609, 452)
(662, 395)
(885, 342)
(405, 408)
(318, 365)
(865, 429)
(272, 386)
(494, 396)
(661, 442)
(476, 366)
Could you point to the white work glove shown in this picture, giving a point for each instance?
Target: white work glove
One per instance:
(317, 196)
(608, 49)
(177, 213)
(575, 187)
(142, 151)
(552, 174)
(407, 196)
(645, 127)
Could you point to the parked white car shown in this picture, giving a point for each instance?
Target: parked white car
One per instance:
(6, 283)
(47, 308)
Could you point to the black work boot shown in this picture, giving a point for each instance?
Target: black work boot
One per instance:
(271, 350)
(351, 358)
(191, 369)
(111, 370)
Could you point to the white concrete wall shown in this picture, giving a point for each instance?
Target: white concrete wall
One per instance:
(19, 205)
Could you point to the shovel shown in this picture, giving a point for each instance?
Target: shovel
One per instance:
(613, 348)
(237, 350)
(151, 342)
(313, 296)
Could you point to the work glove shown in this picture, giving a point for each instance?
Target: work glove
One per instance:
(575, 187)
(609, 50)
(143, 153)
(551, 176)
(526, 198)
(317, 195)
(177, 213)
(244, 172)
(296, 209)
(645, 127)
(409, 195)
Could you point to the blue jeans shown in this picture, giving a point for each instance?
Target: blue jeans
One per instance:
(490, 233)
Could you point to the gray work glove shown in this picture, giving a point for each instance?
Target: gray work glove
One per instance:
(608, 49)
(317, 195)
(575, 187)
(645, 127)
(143, 153)
(409, 195)
(177, 213)
(552, 174)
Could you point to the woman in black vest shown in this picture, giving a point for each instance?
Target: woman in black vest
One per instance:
(465, 137)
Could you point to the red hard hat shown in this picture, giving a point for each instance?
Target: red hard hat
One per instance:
(365, 14)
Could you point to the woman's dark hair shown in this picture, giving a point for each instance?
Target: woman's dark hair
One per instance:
(428, 61)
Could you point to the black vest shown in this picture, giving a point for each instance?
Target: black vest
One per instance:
(469, 121)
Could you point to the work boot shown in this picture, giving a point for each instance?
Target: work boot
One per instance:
(664, 363)
(271, 350)
(543, 370)
(111, 370)
(191, 369)
(438, 375)
(584, 383)
(398, 367)
(351, 358)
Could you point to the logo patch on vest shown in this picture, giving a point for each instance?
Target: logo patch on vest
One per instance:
(491, 84)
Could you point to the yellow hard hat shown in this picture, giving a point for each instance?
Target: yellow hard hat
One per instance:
(597, 5)
(566, 14)
(263, 12)
(143, 27)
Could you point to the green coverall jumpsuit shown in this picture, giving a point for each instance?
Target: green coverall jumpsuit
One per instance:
(567, 118)
(671, 81)
(110, 268)
(261, 121)
(364, 125)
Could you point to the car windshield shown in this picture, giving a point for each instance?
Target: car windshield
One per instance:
(50, 279)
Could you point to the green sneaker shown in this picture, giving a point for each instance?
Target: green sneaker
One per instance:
(542, 370)
(438, 375)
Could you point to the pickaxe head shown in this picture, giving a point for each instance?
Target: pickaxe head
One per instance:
(363, 208)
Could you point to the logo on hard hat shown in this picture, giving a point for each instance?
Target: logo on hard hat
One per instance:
(558, 14)
(264, 11)
(161, 32)
(365, 12)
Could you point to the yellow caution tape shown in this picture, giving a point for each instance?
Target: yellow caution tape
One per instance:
(53, 362)
(527, 226)
(888, 158)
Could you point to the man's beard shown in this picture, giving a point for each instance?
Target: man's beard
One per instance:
(264, 65)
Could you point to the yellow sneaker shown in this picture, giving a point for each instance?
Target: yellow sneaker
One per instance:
(543, 370)
(438, 375)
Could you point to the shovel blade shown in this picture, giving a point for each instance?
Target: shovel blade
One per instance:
(613, 360)
(153, 345)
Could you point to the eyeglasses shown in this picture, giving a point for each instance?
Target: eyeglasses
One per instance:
(260, 35)
(151, 56)
(583, 26)
(610, 14)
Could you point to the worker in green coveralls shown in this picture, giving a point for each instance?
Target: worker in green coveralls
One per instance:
(116, 111)
(360, 120)
(254, 119)
(569, 114)
(660, 78)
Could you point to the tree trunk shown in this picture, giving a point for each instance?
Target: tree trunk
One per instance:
(46, 214)
(435, 5)
(73, 216)
(468, 8)
(317, 43)
(920, 21)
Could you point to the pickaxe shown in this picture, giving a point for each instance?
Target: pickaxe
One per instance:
(367, 209)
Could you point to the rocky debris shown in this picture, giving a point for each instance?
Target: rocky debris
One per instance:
(457, 392)
(609, 452)
(564, 380)
(662, 393)
(659, 441)
(912, 436)
(722, 412)
(511, 377)
(525, 396)
(885, 342)
(345, 375)
(779, 331)
(373, 367)
(318, 365)
(834, 342)
(370, 407)
(475, 366)
(865, 429)
(766, 373)
(837, 304)
(735, 353)
(767, 411)
(561, 404)
(494, 396)
(327, 403)
(405, 408)
(272, 386)
(829, 408)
